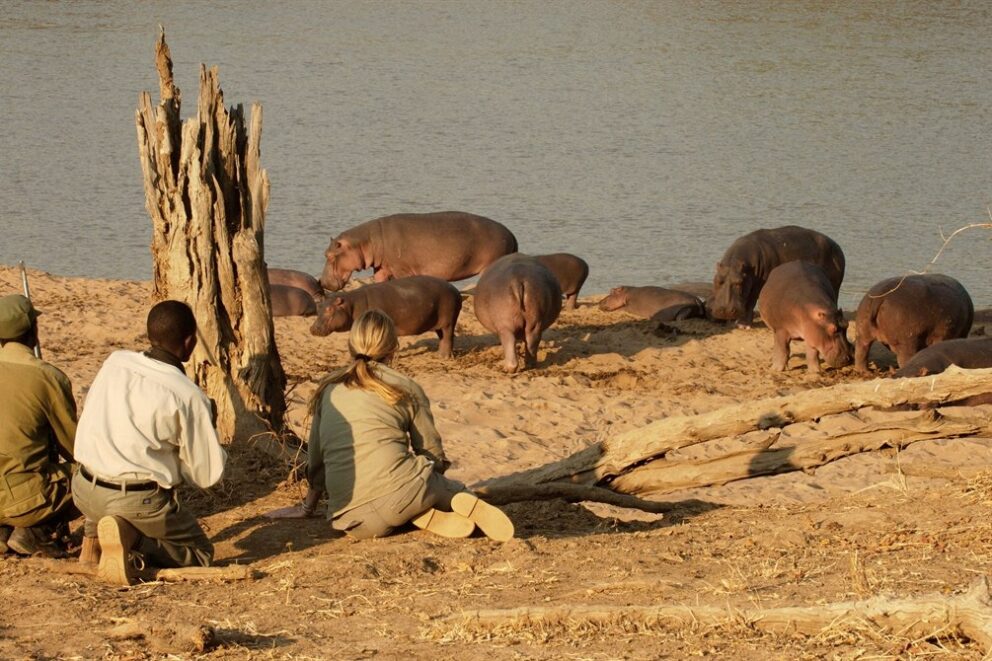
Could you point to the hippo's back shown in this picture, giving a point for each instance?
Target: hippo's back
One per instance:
(906, 300)
(451, 245)
(416, 304)
(570, 270)
(967, 353)
(768, 248)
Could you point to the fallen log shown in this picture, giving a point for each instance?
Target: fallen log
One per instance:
(664, 476)
(968, 614)
(602, 463)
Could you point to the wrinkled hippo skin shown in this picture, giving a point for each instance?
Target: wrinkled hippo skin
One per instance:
(967, 353)
(450, 245)
(417, 304)
(799, 302)
(517, 298)
(745, 267)
(910, 313)
(299, 279)
(291, 302)
(657, 303)
(571, 272)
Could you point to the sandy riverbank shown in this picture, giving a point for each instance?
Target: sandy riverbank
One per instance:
(851, 529)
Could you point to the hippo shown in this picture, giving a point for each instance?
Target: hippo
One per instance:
(517, 298)
(799, 302)
(417, 304)
(910, 313)
(571, 272)
(451, 245)
(291, 301)
(292, 278)
(968, 353)
(744, 268)
(655, 303)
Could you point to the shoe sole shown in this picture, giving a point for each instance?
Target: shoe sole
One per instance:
(114, 566)
(490, 519)
(444, 524)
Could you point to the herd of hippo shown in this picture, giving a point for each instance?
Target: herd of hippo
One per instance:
(791, 274)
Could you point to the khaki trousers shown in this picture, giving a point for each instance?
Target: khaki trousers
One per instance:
(171, 536)
(381, 516)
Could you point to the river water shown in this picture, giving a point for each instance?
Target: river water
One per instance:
(642, 136)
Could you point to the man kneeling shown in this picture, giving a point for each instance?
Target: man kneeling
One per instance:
(145, 428)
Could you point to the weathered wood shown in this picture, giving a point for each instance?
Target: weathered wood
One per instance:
(228, 573)
(665, 476)
(969, 614)
(207, 194)
(602, 463)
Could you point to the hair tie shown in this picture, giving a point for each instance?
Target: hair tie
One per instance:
(362, 356)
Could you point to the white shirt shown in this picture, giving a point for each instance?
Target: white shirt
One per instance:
(146, 420)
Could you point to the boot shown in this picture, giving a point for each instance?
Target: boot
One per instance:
(116, 538)
(89, 554)
(36, 540)
(488, 518)
(4, 536)
(445, 524)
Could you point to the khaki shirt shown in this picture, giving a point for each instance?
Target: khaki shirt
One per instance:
(364, 447)
(37, 423)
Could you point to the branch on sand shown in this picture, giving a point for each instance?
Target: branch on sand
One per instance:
(968, 614)
(639, 462)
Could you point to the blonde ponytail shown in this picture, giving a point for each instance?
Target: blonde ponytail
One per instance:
(372, 339)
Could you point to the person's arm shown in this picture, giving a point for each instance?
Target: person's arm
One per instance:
(315, 477)
(315, 458)
(62, 417)
(201, 457)
(424, 438)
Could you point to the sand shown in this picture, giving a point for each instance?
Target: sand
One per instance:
(857, 527)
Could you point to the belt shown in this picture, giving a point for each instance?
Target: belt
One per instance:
(118, 486)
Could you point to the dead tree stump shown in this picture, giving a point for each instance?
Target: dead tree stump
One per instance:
(207, 195)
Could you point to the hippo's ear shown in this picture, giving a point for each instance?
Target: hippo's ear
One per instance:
(337, 301)
(831, 329)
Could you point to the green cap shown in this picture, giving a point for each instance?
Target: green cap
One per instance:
(16, 316)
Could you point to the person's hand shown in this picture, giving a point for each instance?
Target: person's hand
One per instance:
(293, 512)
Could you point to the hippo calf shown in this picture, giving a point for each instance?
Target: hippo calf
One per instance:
(517, 298)
(417, 304)
(910, 313)
(799, 302)
(451, 245)
(291, 302)
(654, 303)
(745, 267)
(299, 279)
(571, 272)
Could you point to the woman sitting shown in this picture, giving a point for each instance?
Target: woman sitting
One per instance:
(375, 451)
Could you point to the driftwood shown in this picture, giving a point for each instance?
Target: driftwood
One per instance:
(638, 462)
(968, 614)
(804, 454)
(207, 194)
